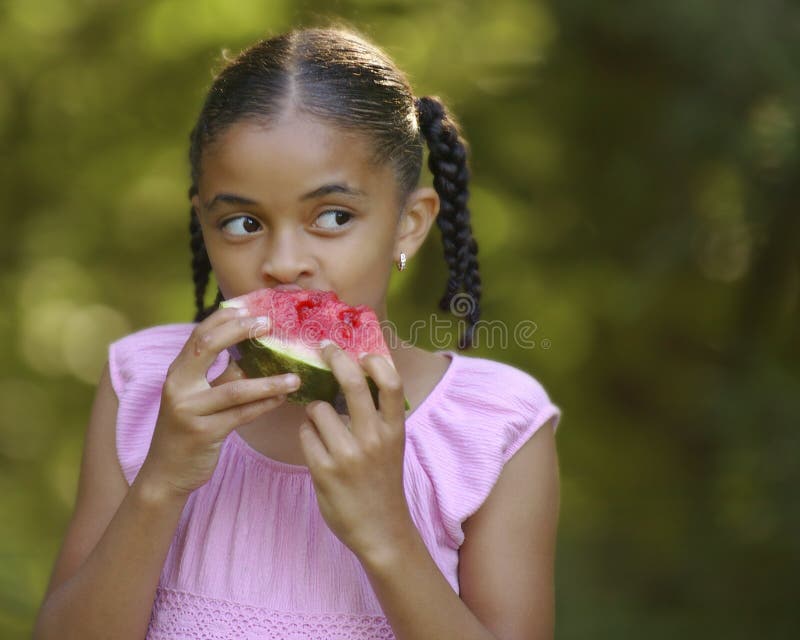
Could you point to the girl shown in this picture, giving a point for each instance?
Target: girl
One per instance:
(207, 506)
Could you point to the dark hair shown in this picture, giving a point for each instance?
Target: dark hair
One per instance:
(336, 75)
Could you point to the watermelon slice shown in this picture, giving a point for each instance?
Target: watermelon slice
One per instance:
(299, 321)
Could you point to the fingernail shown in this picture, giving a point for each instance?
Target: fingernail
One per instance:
(324, 343)
(363, 355)
(291, 381)
(242, 312)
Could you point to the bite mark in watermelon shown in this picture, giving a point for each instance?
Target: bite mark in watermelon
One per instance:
(298, 322)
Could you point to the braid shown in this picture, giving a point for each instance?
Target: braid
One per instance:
(201, 265)
(448, 163)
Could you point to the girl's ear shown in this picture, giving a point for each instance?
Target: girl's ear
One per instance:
(422, 207)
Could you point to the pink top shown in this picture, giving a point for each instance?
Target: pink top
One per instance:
(252, 556)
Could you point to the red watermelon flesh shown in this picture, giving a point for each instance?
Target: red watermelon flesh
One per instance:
(298, 322)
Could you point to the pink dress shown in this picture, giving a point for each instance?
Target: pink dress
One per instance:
(252, 556)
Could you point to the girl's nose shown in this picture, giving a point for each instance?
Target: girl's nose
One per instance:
(286, 259)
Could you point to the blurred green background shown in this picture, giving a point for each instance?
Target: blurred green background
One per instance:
(635, 195)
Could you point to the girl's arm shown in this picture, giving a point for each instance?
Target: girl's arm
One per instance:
(105, 577)
(506, 563)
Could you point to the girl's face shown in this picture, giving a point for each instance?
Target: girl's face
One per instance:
(299, 204)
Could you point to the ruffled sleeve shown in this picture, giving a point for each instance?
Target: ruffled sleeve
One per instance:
(138, 365)
(481, 417)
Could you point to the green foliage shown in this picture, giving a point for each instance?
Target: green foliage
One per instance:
(635, 190)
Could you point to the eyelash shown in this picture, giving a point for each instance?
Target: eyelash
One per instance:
(225, 223)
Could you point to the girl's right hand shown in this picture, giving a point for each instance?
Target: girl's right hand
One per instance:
(195, 417)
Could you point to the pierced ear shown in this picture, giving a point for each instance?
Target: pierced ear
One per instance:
(421, 210)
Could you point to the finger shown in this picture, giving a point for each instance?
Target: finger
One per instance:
(218, 317)
(351, 378)
(239, 392)
(333, 433)
(223, 422)
(391, 400)
(204, 346)
(223, 314)
(314, 450)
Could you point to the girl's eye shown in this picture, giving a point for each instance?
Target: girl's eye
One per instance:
(248, 224)
(336, 218)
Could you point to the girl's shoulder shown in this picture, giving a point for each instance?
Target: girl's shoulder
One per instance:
(162, 335)
(146, 353)
(478, 416)
(494, 385)
(483, 405)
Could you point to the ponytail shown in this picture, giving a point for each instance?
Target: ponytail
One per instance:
(447, 161)
(201, 266)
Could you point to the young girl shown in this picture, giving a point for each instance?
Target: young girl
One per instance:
(210, 508)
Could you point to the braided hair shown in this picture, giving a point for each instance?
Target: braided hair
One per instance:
(201, 265)
(338, 76)
(447, 161)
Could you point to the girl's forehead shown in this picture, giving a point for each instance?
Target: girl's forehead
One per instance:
(300, 137)
(283, 163)
(294, 153)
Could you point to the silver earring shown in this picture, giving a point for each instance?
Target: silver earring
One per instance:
(402, 265)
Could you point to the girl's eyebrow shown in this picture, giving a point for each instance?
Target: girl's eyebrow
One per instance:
(325, 189)
(228, 198)
(232, 198)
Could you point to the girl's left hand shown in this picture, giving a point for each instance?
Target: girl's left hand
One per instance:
(356, 462)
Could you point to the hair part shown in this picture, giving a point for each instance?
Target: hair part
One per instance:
(335, 75)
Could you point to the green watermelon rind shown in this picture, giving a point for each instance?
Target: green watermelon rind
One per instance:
(257, 359)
